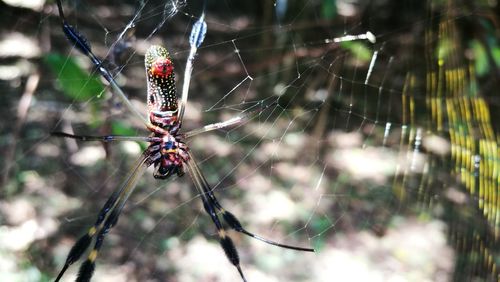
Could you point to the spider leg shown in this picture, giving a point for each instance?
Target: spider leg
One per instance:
(227, 123)
(225, 241)
(214, 126)
(196, 37)
(81, 43)
(230, 218)
(106, 219)
(107, 138)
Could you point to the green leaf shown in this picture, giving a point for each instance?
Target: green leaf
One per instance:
(75, 82)
(120, 128)
(480, 58)
(359, 50)
(496, 55)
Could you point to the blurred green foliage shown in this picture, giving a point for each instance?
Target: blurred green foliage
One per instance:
(75, 82)
(329, 9)
(360, 51)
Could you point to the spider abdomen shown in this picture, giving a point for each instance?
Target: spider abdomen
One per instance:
(162, 94)
(163, 113)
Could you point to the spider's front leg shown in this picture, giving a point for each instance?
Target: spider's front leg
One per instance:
(81, 43)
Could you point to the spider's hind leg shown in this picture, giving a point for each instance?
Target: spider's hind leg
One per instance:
(228, 217)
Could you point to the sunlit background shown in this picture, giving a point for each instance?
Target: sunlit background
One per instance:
(382, 156)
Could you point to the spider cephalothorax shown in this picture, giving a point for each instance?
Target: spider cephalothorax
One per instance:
(168, 156)
(170, 151)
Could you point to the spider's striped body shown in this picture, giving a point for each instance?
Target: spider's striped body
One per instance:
(162, 94)
(169, 153)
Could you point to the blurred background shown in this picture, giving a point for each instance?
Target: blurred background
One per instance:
(382, 155)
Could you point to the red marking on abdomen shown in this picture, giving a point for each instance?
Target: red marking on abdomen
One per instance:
(162, 67)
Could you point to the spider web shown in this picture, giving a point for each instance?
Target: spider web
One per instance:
(370, 153)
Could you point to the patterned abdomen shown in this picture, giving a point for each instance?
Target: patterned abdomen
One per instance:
(162, 95)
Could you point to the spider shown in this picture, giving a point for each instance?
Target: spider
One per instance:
(167, 150)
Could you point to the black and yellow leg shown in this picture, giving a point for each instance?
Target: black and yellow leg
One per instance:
(77, 250)
(225, 241)
(235, 224)
(230, 218)
(211, 206)
(87, 268)
(84, 242)
(106, 219)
